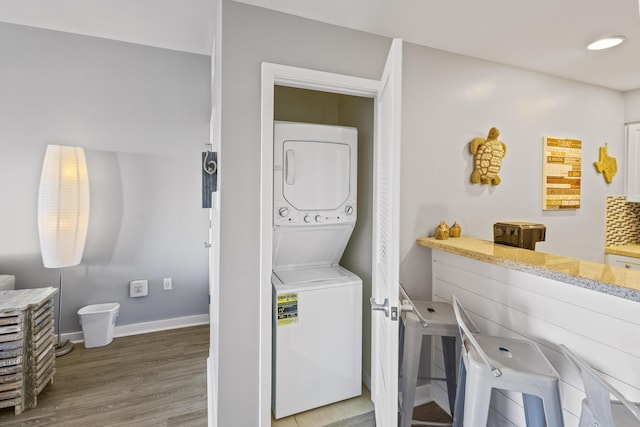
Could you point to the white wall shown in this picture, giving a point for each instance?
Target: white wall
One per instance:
(632, 106)
(595, 326)
(448, 100)
(142, 115)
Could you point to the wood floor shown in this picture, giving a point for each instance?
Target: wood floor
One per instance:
(156, 379)
(149, 380)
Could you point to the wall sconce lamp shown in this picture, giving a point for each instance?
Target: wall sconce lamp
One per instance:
(63, 214)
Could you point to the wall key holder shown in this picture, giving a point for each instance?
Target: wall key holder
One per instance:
(209, 175)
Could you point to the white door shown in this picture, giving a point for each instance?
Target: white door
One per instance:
(386, 228)
(215, 136)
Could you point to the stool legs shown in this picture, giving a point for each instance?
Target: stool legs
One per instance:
(533, 410)
(476, 403)
(458, 410)
(547, 407)
(553, 407)
(410, 363)
(450, 358)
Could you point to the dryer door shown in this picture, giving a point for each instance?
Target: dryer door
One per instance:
(316, 175)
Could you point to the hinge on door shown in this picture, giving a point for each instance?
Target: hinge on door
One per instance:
(209, 176)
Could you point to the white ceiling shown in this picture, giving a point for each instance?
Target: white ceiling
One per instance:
(185, 25)
(548, 36)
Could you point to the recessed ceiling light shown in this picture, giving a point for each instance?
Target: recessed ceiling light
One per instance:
(606, 42)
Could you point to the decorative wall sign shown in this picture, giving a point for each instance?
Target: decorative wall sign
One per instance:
(561, 173)
(606, 165)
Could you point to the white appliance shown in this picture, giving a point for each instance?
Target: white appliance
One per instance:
(317, 304)
(314, 174)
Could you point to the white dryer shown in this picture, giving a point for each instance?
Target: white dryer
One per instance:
(317, 304)
(315, 174)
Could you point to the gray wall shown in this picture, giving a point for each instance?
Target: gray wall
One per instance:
(448, 100)
(250, 36)
(142, 115)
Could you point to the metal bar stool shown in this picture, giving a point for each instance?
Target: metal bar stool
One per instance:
(422, 318)
(597, 408)
(504, 363)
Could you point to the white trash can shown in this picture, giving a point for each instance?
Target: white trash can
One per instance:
(97, 322)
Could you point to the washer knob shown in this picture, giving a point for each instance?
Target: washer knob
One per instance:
(318, 218)
(307, 218)
(283, 211)
(348, 210)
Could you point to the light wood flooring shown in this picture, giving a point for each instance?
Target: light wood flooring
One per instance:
(156, 379)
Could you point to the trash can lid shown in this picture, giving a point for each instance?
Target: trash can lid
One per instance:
(99, 308)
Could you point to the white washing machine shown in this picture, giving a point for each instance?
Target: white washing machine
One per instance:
(317, 304)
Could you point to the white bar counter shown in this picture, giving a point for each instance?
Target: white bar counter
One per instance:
(592, 308)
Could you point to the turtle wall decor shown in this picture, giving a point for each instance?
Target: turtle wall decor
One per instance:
(488, 154)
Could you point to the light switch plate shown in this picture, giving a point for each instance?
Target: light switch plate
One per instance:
(138, 288)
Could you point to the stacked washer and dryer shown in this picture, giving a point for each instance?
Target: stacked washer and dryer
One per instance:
(317, 304)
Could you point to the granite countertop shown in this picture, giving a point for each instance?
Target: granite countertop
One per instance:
(616, 281)
(631, 250)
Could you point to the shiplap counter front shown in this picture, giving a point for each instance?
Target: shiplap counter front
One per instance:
(592, 308)
(27, 353)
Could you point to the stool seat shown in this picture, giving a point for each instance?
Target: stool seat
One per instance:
(432, 319)
(438, 316)
(492, 362)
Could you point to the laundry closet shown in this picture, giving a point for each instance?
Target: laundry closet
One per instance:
(350, 224)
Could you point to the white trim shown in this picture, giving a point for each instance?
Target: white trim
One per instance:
(146, 327)
(285, 75)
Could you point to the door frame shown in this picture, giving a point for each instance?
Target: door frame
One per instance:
(302, 78)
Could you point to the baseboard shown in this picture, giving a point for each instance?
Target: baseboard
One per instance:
(146, 327)
(424, 394)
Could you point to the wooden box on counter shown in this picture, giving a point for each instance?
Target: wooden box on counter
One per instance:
(27, 346)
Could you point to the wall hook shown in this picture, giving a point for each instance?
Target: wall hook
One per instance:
(209, 166)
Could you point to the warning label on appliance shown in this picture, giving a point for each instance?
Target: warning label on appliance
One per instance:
(287, 309)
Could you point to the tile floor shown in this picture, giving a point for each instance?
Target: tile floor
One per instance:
(356, 412)
(351, 412)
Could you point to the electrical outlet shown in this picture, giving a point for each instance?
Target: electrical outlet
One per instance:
(138, 288)
(167, 283)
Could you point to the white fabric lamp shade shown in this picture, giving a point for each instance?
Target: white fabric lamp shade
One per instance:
(63, 206)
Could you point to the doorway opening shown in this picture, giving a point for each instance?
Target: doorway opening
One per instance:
(293, 104)
(294, 94)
